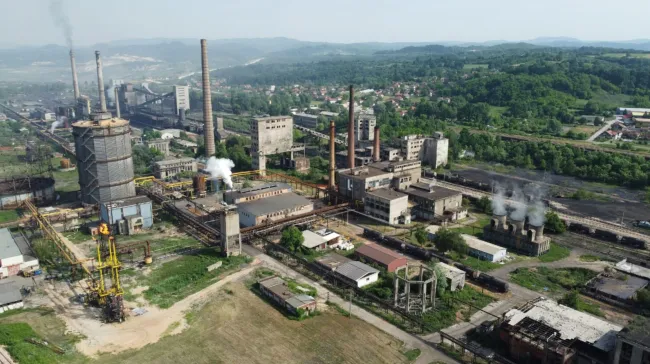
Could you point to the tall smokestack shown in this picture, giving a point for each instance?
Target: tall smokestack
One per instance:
(208, 127)
(75, 82)
(100, 83)
(376, 151)
(351, 130)
(117, 104)
(332, 182)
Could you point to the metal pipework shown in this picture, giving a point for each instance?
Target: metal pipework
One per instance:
(332, 183)
(117, 104)
(75, 82)
(208, 127)
(375, 152)
(100, 83)
(351, 141)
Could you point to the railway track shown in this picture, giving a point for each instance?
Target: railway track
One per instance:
(575, 240)
(589, 222)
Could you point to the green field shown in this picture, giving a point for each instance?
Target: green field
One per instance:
(8, 215)
(555, 253)
(496, 111)
(542, 279)
(471, 66)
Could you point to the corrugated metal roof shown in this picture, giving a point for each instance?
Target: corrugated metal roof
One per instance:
(378, 253)
(480, 245)
(265, 206)
(8, 247)
(355, 270)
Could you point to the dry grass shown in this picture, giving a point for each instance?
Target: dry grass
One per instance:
(242, 328)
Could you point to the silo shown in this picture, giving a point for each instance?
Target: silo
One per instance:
(103, 148)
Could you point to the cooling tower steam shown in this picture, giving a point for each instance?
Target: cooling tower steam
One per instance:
(220, 168)
(58, 122)
(520, 205)
(498, 201)
(537, 213)
(61, 20)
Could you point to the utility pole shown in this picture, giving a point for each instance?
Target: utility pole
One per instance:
(350, 306)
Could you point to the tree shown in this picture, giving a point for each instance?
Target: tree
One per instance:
(446, 240)
(598, 121)
(571, 299)
(643, 298)
(420, 235)
(484, 204)
(554, 224)
(292, 239)
(441, 280)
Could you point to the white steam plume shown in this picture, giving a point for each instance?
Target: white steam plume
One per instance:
(220, 168)
(498, 201)
(536, 208)
(520, 205)
(58, 122)
(61, 20)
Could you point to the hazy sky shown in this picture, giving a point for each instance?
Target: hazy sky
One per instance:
(93, 21)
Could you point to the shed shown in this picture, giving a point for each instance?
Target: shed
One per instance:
(357, 273)
(128, 215)
(10, 296)
(455, 277)
(386, 258)
(484, 250)
(320, 239)
(15, 254)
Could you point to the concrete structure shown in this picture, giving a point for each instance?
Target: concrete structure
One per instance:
(431, 202)
(320, 239)
(278, 290)
(104, 162)
(298, 164)
(351, 127)
(171, 167)
(431, 150)
(255, 193)
(332, 260)
(353, 183)
(100, 83)
(185, 144)
(616, 287)
(415, 288)
(543, 331)
(411, 146)
(513, 235)
(127, 216)
(357, 273)
(387, 205)
(633, 269)
(483, 250)
(267, 210)
(376, 149)
(13, 191)
(230, 234)
(161, 145)
(10, 296)
(208, 127)
(15, 254)
(331, 179)
(365, 129)
(633, 343)
(182, 98)
(455, 277)
(75, 81)
(306, 120)
(381, 256)
(390, 154)
(271, 135)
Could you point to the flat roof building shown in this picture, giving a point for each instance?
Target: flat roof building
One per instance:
(388, 206)
(455, 277)
(633, 343)
(306, 120)
(484, 250)
(273, 208)
(633, 269)
(431, 202)
(381, 256)
(357, 273)
(161, 145)
(129, 215)
(354, 182)
(171, 167)
(256, 193)
(278, 290)
(320, 239)
(619, 287)
(10, 296)
(15, 254)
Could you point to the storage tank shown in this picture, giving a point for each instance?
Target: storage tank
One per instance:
(104, 162)
(198, 182)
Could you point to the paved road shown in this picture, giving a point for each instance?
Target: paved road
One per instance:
(605, 127)
(429, 354)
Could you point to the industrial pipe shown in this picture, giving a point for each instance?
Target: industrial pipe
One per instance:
(100, 83)
(75, 82)
(376, 151)
(208, 127)
(351, 141)
(331, 183)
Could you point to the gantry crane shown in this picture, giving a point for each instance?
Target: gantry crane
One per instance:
(108, 294)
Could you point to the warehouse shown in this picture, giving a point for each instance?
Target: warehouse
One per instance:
(15, 254)
(354, 182)
(278, 290)
(357, 273)
(388, 206)
(381, 256)
(255, 193)
(129, 215)
(483, 250)
(273, 208)
(320, 239)
(455, 277)
(633, 343)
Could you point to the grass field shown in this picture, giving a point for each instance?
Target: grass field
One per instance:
(555, 253)
(632, 55)
(542, 279)
(471, 66)
(589, 258)
(587, 129)
(496, 111)
(482, 265)
(8, 215)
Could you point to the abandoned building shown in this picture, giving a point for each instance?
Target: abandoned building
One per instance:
(513, 235)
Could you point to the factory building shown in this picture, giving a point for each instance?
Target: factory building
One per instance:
(271, 135)
(277, 289)
(390, 154)
(320, 239)
(263, 204)
(365, 129)
(455, 277)
(633, 343)
(171, 167)
(161, 145)
(182, 97)
(433, 150)
(381, 256)
(513, 235)
(543, 331)
(483, 250)
(15, 254)
(255, 193)
(388, 206)
(186, 144)
(306, 120)
(354, 182)
(127, 216)
(432, 202)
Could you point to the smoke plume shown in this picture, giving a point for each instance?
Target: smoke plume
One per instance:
(220, 168)
(498, 201)
(61, 20)
(60, 120)
(520, 205)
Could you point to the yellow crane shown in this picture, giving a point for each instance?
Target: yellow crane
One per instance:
(109, 296)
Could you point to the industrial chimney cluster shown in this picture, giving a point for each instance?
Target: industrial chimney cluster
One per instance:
(512, 233)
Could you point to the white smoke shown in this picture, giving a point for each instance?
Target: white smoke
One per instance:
(220, 168)
(519, 205)
(60, 120)
(498, 201)
(537, 213)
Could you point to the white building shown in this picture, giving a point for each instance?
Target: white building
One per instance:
(15, 254)
(432, 150)
(484, 250)
(387, 205)
(357, 273)
(320, 239)
(182, 95)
